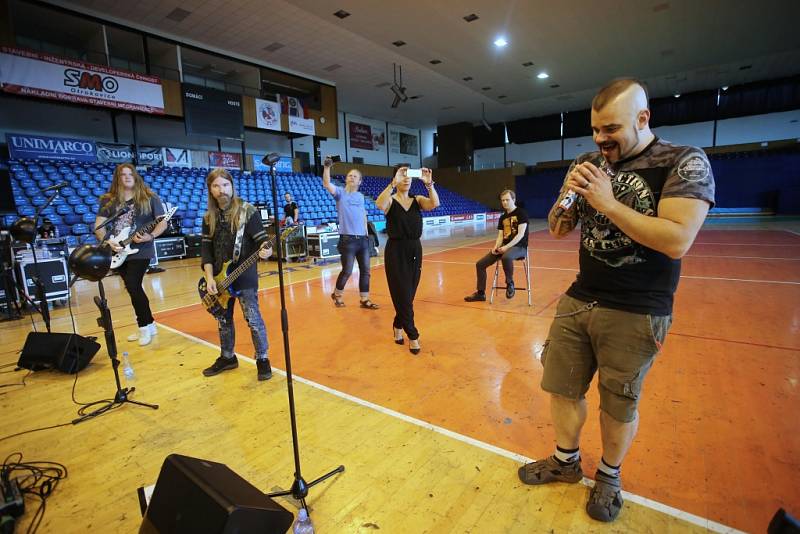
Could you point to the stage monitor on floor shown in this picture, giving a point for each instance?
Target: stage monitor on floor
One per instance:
(68, 353)
(204, 497)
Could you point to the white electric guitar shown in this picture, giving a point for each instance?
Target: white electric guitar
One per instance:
(125, 237)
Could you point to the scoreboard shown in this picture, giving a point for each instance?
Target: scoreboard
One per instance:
(212, 112)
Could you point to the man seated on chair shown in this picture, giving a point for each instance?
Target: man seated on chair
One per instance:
(511, 244)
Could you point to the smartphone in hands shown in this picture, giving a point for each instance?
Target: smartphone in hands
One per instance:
(414, 173)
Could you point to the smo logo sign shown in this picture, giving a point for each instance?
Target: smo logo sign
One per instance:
(82, 81)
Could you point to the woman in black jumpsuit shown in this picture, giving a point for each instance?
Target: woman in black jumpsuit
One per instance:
(403, 253)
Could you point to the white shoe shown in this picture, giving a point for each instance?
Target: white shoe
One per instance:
(152, 327)
(144, 336)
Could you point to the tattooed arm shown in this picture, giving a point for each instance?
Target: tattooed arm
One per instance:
(560, 221)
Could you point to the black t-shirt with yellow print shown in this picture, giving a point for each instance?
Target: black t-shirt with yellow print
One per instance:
(509, 224)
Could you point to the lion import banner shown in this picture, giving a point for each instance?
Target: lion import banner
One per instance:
(30, 73)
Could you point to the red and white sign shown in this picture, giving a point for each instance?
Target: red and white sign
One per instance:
(461, 218)
(226, 160)
(29, 73)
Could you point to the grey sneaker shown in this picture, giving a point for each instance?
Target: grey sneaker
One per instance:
(221, 364)
(605, 501)
(549, 470)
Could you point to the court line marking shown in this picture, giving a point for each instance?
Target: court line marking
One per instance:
(575, 251)
(682, 276)
(643, 501)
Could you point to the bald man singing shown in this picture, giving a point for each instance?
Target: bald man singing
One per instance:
(640, 202)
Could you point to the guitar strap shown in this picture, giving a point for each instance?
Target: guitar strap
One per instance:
(243, 216)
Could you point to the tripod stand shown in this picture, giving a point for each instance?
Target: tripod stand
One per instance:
(122, 395)
(299, 489)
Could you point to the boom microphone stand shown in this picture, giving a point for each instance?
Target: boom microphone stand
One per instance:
(300, 487)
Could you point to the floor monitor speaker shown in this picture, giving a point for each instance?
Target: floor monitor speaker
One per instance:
(204, 497)
(68, 353)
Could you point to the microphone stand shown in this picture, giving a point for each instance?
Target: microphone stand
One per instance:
(37, 278)
(123, 394)
(299, 489)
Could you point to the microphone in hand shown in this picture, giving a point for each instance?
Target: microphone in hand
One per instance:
(566, 203)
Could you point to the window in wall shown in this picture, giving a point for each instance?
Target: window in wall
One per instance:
(125, 49)
(163, 57)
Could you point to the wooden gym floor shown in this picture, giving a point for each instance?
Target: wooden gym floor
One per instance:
(432, 442)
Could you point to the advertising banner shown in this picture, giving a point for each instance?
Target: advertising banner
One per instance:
(177, 157)
(150, 155)
(360, 136)
(30, 73)
(23, 146)
(114, 153)
(301, 126)
(268, 114)
(284, 164)
(226, 160)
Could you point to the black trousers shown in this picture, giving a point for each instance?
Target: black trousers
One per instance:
(132, 273)
(403, 265)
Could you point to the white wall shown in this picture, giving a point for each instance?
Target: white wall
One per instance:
(488, 158)
(769, 127)
(429, 159)
(574, 146)
(335, 147)
(532, 153)
(696, 134)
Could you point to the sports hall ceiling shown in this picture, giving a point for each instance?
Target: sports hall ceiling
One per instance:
(675, 45)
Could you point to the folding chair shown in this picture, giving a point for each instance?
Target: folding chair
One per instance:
(526, 264)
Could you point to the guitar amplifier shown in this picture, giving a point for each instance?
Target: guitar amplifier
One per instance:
(53, 274)
(193, 246)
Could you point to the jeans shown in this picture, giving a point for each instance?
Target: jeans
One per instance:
(354, 247)
(508, 257)
(248, 301)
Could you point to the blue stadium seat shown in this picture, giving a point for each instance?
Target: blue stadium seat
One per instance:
(80, 229)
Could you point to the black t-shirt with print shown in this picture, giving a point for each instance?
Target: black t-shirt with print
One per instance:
(218, 248)
(615, 270)
(509, 224)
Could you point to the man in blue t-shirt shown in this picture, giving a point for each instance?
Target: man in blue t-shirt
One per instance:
(511, 244)
(640, 202)
(354, 242)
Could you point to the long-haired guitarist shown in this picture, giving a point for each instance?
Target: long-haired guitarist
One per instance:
(233, 230)
(128, 188)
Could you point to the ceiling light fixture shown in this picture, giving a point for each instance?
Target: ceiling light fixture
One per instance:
(542, 75)
(500, 42)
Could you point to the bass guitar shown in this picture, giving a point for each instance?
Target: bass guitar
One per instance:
(217, 304)
(125, 237)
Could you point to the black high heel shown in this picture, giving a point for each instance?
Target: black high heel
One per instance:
(413, 350)
(398, 340)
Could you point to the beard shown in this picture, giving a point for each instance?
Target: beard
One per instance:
(223, 201)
